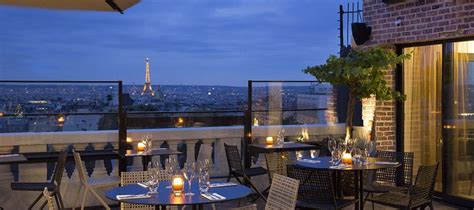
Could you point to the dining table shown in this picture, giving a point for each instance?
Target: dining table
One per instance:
(371, 164)
(222, 192)
(12, 158)
(284, 147)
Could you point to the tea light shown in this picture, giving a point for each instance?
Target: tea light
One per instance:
(347, 158)
(140, 147)
(177, 184)
(269, 140)
(129, 139)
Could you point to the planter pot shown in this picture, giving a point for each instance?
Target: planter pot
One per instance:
(360, 32)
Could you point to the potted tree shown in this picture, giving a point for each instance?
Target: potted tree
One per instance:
(362, 71)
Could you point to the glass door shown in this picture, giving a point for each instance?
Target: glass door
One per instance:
(459, 119)
(422, 123)
(438, 114)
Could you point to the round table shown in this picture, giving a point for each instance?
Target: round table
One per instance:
(164, 197)
(324, 163)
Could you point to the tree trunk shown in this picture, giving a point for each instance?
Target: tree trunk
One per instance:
(350, 115)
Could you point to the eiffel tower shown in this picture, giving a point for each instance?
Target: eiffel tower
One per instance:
(147, 89)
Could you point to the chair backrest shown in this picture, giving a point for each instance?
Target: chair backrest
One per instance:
(49, 198)
(387, 175)
(399, 176)
(233, 157)
(276, 163)
(205, 153)
(80, 167)
(423, 188)
(405, 171)
(134, 177)
(59, 170)
(283, 193)
(315, 187)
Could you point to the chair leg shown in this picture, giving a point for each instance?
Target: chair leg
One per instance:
(431, 205)
(106, 206)
(255, 188)
(228, 178)
(86, 190)
(60, 204)
(46, 202)
(35, 201)
(78, 195)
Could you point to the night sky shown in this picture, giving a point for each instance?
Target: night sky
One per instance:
(189, 42)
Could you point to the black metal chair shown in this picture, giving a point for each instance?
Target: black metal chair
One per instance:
(237, 170)
(418, 196)
(392, 179)
(316, 189)
(53, 186)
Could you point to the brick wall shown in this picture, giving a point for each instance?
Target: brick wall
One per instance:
(421, 21)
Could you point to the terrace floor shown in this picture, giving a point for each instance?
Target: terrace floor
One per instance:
(246, 201)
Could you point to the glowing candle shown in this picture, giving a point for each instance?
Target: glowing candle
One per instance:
(269, 140)
(177, 184)
(129, 139)
(140, 147)
(347, 158)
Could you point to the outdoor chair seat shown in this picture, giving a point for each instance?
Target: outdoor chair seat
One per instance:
(340, 203)
(255, 171)
(397, 200)
(32, 186)
(382, 188)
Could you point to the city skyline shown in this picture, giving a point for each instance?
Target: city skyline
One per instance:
(190, 43)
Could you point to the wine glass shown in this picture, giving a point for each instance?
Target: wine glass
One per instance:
(152, 182)
(332, 144)
(171, 168)
(204, 183)
(189, 171)
(372, 148)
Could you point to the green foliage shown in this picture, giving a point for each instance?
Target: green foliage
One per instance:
(362, 71)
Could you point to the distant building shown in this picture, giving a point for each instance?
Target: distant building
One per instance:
(316, 98)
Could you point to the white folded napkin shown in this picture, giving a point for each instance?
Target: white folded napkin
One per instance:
(139, 196)
(213, 196)
(309, 161)
(341, 166)
(143, 184)
(222, 184)
(386, 163)
(10, 155)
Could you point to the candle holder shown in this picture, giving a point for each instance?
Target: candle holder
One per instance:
(269, 141)
(177, 185)
(347, 158)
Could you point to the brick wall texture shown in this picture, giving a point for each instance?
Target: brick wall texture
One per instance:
(421, 21)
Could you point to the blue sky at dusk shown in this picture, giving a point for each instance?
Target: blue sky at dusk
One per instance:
(192, 42)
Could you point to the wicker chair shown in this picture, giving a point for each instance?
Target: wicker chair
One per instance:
(49, 198)
(316, 189)
(53, 186)
(134, 177)
(283, 194)
(276, 163)
(237, 170)
(88, 185)
(392, 179)
(205, 153)
(418, 196)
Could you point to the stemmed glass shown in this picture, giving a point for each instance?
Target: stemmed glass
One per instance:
(332, 144)
(189, 171)
(171, 167)
(372, 148)
(153, 181)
